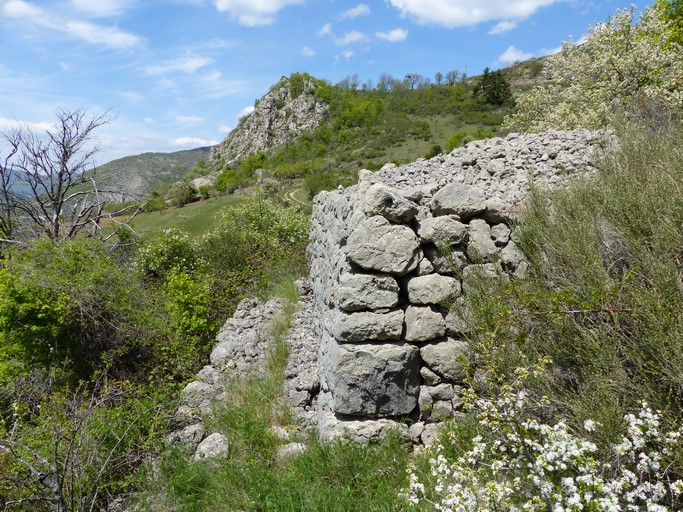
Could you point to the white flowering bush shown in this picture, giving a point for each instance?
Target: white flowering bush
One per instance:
(171, 251)
(519, 464)
(621, 65)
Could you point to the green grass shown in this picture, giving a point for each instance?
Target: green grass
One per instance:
(603, 297)
(341, 476)
(194, 218)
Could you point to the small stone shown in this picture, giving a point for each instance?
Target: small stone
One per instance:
(381, 200)
(423, 323)
(447, 229)
(432, 289)
(291, 450)
(480, 245)
(458, 199)
(364, 326)
(444, 358)
(215, 445)
(366, 291)
(430, 378)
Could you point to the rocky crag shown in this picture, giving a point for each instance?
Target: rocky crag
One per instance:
(374, 346)
(287, 111)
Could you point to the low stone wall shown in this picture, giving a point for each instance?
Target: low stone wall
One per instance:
(389, 349)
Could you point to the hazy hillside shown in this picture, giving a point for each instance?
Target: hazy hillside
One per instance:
(139, 175)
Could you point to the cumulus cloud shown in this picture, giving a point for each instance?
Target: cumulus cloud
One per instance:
(252, 13)
(393, 36)
(354, 36)
(307, 51)
(355, 12)
(192, 142)
(224, 128)
(462, 13)
(21, 9)
(502, 27)
(513, 54)
(188, 64)
(7, 125)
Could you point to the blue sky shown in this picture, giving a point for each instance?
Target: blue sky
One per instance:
(178, 74)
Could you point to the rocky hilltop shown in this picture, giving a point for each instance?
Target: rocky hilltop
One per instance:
(288, 110)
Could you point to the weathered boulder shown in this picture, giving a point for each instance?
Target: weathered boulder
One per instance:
(458, 199)
(381, 200)
(376, 380)
(357, 292)
(378, 245)
(432, 289)
(366, 326)
(444, 358)
(480, 245)
(446, 229)
(423, 323)
(214, 446)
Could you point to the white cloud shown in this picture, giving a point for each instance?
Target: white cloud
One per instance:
(83, 30)
(97, 34)
(246, 111)
(393, 36)
(307, 51)
(252, 13)
(325, 30)
(354, 36)
(188, 64)
(7, 124)
(102, 8)
(21, 9)
(355, 12)
(224, 128)
(513, 54)
(502, 27)
(462, 13)
(148, 120)
(346, 55)
(193, 142)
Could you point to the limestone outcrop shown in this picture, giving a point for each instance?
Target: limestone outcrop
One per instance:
(281, 116)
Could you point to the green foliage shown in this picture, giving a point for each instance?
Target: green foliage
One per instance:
(493, 88)
(433, 151)
(91, 440)
(227, 181)
(74, 306)
(672, 12)
(460, 138)
(172, 250)
(603, 296)
(625, 66)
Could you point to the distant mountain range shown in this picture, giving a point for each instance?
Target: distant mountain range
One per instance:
(139, 175)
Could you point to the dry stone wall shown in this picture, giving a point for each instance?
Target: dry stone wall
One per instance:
(389, 349)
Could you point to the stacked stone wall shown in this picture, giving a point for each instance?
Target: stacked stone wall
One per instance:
(390, 349)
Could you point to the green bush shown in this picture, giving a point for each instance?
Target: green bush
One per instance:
(603, 296)
(172, 250)
(74, 306)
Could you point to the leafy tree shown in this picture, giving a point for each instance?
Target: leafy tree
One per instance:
(672, 12)
(438, 78)
(452, 77)
(493, 88)
(621, 67)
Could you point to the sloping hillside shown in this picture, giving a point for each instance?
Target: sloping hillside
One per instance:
(137, 176)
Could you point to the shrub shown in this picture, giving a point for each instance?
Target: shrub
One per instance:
(518, 463)
(74, 306)
(619, 64)
(171, 251)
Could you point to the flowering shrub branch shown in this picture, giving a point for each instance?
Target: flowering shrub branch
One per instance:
(519, 464)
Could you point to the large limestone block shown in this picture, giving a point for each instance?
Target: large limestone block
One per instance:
(480, 245)
(366, 291)
(444, 358)
(432, 289)
(378, 245)
(381, 200)
(376, 380)
(445, 229)
(366, 326)
(423, 323)
(459, 199)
